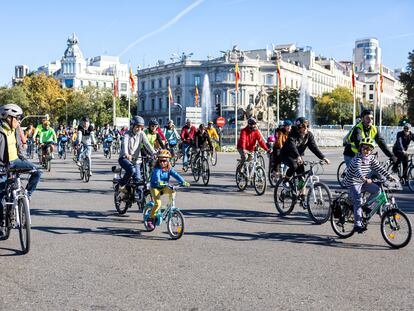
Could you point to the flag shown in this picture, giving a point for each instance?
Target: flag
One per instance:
(170, 96)
(279, 78)
(131, 79)
(115, 87)
(353, 76)
(237, 76)
(196, 95)
(381, 80)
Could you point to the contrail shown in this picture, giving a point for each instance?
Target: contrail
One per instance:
(165, 26)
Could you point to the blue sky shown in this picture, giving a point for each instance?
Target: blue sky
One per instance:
(35, 32)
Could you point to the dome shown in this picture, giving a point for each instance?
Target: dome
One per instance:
(73, 49)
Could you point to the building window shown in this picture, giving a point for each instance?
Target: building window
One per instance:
(104, 84)
(252, 77)
(197, 80)
(97, 84)
(178, 121)
(123, 87)
(143, 86)
(160, 121)
(178, 98)
(152, 84)
(251, 99)
(178, 80)
(268, 80)
(142, 104)
(81, 83)
(152, 104)
(160, 103)
(159, 83)
(371, 96)
(371, 87)
(218, 77)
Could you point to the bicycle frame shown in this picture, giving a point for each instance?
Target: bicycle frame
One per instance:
(376, 203)
(18, 193)
(250, 165)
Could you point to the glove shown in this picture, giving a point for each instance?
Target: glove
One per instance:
(186, 184)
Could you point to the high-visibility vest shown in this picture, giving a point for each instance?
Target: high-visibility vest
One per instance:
(372, 133)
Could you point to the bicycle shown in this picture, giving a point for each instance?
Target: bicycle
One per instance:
(169, 214)
(16, 208)
(45, 156)
(317, 202)
(200, 166)
(392, 218)
(107, 146)
(30, 148)
(84, 168)
(135, 192)
(62, 147)
(251, 171)
(212, 154)
(410, 172)
(173, 149)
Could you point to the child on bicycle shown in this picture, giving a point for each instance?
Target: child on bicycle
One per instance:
(159, 183)
(357, 179)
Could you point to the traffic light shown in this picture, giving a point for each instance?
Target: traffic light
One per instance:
(218, 109)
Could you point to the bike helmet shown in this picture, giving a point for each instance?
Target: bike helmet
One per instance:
(153, 122)
(407, 125)
(287, 122)
(302, 122)
(137, 120)
(10, 110)
(170, 122)
(210, 123)
(201, 126)
(271, 139)
(251, 121)
(164, 154)
(367, 141)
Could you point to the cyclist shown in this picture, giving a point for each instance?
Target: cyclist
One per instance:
(62, 138)
(294, 148)
(357, 178)
(85, 139)
(11, 155)
(249, 137)
(29, 139)
(281, 136)
(131, 150)
(171, 135)
(47, 137)
(159, 183)
(187, 136)
(105, 133)
(153, 135)
(404, 138)
(361, 130)
(212, 131)
(202, 138)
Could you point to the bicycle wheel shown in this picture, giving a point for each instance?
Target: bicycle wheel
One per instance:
(213, 157)
(340, 174)
(121, 200)
(146, 214)
(7, 225)
(273, 177)
(396, 228)
(283, 198)
(64, 154)
(173, 160)
(241, 178)
(410, 179)
(196, 169)
(259, 180)
(319, 201)
(24, 226)
(205, 172)
(343, 226)
(146, 197)
(48, 165)
(261, 161)
(175, 225)
(81, 172)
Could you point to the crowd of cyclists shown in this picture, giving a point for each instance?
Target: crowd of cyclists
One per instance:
(286, 146)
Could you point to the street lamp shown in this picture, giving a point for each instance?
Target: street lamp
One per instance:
(66, 105)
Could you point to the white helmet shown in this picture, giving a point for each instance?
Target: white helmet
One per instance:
(10, 110)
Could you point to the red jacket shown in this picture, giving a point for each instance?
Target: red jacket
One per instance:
(187, 134)
(248, 140)
(159, 130)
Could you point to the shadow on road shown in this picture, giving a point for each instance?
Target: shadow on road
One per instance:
(10, 252)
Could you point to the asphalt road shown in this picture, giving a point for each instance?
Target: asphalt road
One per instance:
(236, 253)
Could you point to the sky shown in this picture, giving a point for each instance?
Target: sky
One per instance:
(143, 32)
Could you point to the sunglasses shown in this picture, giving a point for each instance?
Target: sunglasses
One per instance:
(163, 161)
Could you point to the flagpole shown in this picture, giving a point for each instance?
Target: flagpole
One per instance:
(169, 101)
(129, 100)
(235, 118)
(114, 103)
(380, 111)
(354, 108)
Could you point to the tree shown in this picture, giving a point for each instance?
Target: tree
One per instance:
(288, 103)
(14, 95)
(407, 79)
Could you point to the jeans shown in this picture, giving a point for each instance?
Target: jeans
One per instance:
(348, 160)
(88, 151)
(3, 180)
(186, 148)
(355, 193)
(34, 177)
(131, 169)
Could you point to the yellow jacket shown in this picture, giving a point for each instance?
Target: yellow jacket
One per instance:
(212, 133)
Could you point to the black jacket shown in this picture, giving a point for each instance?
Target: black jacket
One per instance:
(201, 139)
(402, 142)
(296, 145)
(4, 152)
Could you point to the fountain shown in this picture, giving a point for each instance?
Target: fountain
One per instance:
(206, 103)
(305, 104)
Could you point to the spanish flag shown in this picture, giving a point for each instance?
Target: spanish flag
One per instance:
(353, 77)
(279, 78)
(196, 95)
(170, 96)
(131, 79)
(381, 80)
(237, 76)
(115, 86)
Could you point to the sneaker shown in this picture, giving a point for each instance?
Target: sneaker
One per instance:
(90, 173)
(360, 229)
(150, 224)
(52, 156)
(78, 163)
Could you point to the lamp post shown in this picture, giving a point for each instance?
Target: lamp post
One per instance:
(66, 110)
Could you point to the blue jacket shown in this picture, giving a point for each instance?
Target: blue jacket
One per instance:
(159, 178)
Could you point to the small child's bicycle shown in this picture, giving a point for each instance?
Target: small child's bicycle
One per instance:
(169, 213)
